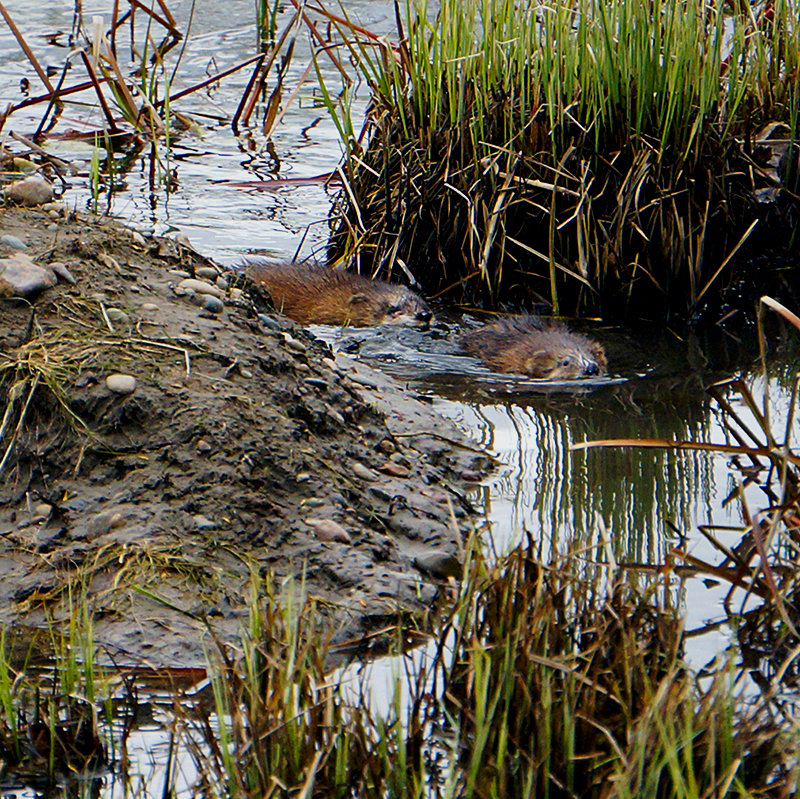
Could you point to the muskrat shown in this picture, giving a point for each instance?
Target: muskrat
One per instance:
(316, 295)
(529, 346)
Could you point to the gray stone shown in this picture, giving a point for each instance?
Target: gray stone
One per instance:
(121, 384)
(212, 304)
(329, 530)
(438, 564)
(61, 271)
(198, 287)
(21, 277)
(206, 272)
(14, 242)
(33, 190)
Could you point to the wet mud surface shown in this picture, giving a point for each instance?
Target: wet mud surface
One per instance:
(245, 448)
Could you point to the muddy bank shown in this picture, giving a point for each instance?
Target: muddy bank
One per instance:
(243, 448)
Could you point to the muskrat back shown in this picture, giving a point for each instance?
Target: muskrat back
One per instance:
(319, 295)
(529, 346)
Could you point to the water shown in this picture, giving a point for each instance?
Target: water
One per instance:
(636, 503)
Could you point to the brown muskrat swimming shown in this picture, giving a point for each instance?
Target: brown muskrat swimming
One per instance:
(528, 346)
(317, 295)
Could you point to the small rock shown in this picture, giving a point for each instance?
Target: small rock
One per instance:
(203, 522)
(61, 271)
(329, 530)
(121, 384)
(363, 381)
(439, 564)
(21, 277)
(294, 345)
(199, 287)
(222, 283)
(149, 306)
(316, 382)
(182, 273)
(469, 476)
(117, 315)
(206, 272)
(212, 304)
(55, 209)
(236, 294)
(387, 446)
(270, 322)
(103, 523)
(303, 477)
(394, 469)
(359, 470)
(41, 511)
(313, 502)
(203, 446)
(23, 164)
(336, 416)
(138, 238)
(33, 190)
(14, 242)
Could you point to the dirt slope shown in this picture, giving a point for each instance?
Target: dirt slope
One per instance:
(240, 445)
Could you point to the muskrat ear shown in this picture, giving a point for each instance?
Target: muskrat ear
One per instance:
(357, 298)
(599, 355)
(539, 364)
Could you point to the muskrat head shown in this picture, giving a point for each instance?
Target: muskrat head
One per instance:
(573, 357)
(389, 305)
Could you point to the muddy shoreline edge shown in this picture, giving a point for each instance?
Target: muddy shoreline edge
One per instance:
(244, 448)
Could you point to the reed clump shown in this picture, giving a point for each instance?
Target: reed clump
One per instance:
(601, 158)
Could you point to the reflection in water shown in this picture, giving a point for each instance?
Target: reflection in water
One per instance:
(570, 496)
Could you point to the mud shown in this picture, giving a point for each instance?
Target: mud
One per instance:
(241, 444)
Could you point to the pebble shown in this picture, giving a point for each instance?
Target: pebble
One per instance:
(116, 315)
(313, 502)
(138, 238)
(387, 446)
(439, 564)
(149, 306)
(222, 283)
(203, 522)
(270, 322)
(206, 272)
(394, 469)
(316, 382)
(212, 304)
(363, 381)
(24, 164)
(61, 271)
(103, 523)
(293, 344)
(21, 277)
(121, 384)
(303, 477)
(329, 530)
(199, 287)
(179, 273)
(359, 470)
(13, 241)
(203, 446)
(56, 209)
(33, 190)
(41, 511)
(236, 294)
(336, 416)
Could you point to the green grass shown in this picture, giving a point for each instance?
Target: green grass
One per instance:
(600, 157)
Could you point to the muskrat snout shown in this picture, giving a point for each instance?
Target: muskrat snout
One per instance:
(591, 369)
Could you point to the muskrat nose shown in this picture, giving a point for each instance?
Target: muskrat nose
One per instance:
(591, 369)
(424, 316)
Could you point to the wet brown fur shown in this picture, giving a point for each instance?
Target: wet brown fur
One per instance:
(527, 345)
(318, 295)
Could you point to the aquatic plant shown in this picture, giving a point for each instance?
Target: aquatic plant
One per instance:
(600, 158)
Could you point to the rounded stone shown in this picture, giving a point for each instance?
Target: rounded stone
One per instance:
(212, 304)
(121, 384)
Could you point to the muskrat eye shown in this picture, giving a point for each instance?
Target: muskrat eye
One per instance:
(394, 309)
(564, 362)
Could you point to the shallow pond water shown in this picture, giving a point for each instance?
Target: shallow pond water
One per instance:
(630, 501)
